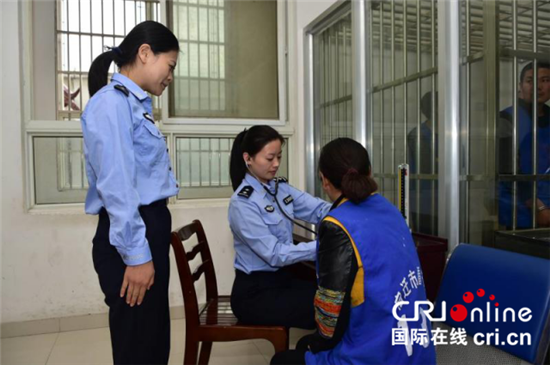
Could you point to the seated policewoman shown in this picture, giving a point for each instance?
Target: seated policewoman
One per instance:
(261, 214)
(366, 263)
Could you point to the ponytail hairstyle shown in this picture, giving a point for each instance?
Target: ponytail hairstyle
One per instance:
(251, 141)
(156, 35)
(346, 164)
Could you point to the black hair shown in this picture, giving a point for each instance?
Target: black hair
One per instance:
(426, 104)
(529, 66)
(251, 141)
(156, 35)
(346, 164)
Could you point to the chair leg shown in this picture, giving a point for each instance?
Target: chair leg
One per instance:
(280, 343)
(204, 357)
(191, 352)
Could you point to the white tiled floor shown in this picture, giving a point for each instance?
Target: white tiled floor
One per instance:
(93, 347)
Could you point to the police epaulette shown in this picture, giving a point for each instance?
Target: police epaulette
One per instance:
(246, 191)
(281, 179)
(123, 89)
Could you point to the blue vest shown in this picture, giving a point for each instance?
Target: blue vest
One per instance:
(389, 271)
(525, 162)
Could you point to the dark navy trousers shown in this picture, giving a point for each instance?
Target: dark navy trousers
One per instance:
(139, 335)
(273, 299)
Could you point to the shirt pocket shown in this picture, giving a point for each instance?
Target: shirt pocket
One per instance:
(151, 143)
(275, 224)
(272, 221)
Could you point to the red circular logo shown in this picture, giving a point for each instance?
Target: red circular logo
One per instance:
(480, 292)
(459, 313)
(468, 297)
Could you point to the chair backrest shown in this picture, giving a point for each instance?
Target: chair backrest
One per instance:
(481, 284)
(188, 278)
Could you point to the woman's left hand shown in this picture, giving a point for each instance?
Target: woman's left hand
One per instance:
(137, 280)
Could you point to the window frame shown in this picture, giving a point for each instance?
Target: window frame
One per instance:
(282, 75)
(360, 74)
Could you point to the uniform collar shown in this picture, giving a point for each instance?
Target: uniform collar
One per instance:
(257, 185)
(131, 86)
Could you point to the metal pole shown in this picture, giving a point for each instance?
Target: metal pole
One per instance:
(434, 119)
(515, 117)
(405, 84)
(309, 110)
(449, 86)
(418, 115)
(465, 214)
(535, 113)
(362, 77)
(392, 45)
(381, 64)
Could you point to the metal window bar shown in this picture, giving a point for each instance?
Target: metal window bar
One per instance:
(417, 36)
(212, 148)
(333, 77)
(435, 118)
(476, 13)
(212, 156)
(381, 66)
(211, 73)
(524, 29)
(418, 111)
(466, 192)
(332, 81)
(515, 116)
(74, 73)
(535, 115)
(392, 45)
(71, 167)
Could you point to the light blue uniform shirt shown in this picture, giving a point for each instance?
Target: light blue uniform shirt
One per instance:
(262, 235)
(127, 164)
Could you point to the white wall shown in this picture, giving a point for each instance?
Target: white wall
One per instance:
(47, 270)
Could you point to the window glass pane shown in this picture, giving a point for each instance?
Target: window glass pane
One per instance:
(230, 48)
(83, 29)
(59, 170)
(404, 110)
(333, 116)
(510, 145)
(203, 167)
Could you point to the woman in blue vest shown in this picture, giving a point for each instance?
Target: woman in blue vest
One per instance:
(366, 263)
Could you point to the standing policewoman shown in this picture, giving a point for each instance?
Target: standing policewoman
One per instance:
(130, 179)
(260, 213)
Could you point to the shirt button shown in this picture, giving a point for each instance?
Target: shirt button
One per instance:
(167, 150)
(169, 169)
(177, 185)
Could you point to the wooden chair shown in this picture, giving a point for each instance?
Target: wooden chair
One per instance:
(215, 321)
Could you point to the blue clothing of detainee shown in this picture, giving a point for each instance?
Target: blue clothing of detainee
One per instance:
(264, 292)
(388, 272)
(524, 163)
(127, 164)
(423, 209)
(130, 177)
